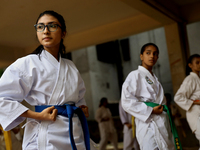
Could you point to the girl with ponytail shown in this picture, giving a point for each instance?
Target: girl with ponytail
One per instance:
(188, 95)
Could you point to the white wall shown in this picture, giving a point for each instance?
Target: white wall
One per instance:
(100, 78)
(104, 80)
(193, 31)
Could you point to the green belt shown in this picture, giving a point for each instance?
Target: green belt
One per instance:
(173, 127)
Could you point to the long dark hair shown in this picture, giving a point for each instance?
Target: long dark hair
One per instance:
(148, 44)
(190, 59)
(60, 18)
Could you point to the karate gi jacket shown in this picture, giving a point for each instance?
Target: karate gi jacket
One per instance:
(141, 86)
(128, 138)
(42, 81)
(184, 97)
(125, 118)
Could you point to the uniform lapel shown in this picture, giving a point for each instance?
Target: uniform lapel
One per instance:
(153, 83)
(59, 83)
(149, 79)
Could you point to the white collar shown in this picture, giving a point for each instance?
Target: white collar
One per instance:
(147, 73)
(51, 58)
(194, 74)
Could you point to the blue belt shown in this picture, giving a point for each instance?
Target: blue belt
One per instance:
(68, 110)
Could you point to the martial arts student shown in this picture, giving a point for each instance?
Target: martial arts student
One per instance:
(188, 95)
(153, 130)
(44, 78)
(129, 141)
(107, 130)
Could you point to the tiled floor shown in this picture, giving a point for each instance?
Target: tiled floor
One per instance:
(120, 147)
(190, 148)
(110, 146)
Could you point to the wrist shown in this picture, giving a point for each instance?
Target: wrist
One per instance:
(38, 116)
(196, 101)
(153, 111)
(31, 114)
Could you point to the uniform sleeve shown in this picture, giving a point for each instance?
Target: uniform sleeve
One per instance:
(14, 86)
(164, 101)
(82, 91)
(130, 102)
(182, 97)
(98, 115)
(123, 115)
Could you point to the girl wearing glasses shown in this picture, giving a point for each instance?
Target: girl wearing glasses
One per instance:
(44, 78)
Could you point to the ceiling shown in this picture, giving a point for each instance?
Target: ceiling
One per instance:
(91, 22)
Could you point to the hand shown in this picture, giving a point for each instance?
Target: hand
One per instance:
(85, 110)
(197, 102)
(157, 109)
(49, 113)
(15, 130)
(128, 125)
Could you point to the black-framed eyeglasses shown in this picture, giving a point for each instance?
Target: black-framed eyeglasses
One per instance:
(51, 27)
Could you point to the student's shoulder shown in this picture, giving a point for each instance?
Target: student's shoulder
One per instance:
(24, 63)
(69, 63)
(133, 76)
(188, 83)
(188, 79)
(134, 73)
(98, 110)
(26, 59)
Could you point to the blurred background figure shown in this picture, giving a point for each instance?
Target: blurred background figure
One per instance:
(17, 133)
(188, 94)
(107, 130)
(2, 143)
(129, 139)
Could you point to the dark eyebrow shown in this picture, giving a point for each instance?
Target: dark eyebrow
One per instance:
(48, 22)
(151, 51)
(52, 22)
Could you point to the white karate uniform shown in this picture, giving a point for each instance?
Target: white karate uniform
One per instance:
(107, 129)
(186, 94)
(152, 131)
(129, 142)
(43, 81)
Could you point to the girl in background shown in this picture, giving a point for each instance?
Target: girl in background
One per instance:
(106, 126)
(153, 131)
(188, 95)
(43, 78)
